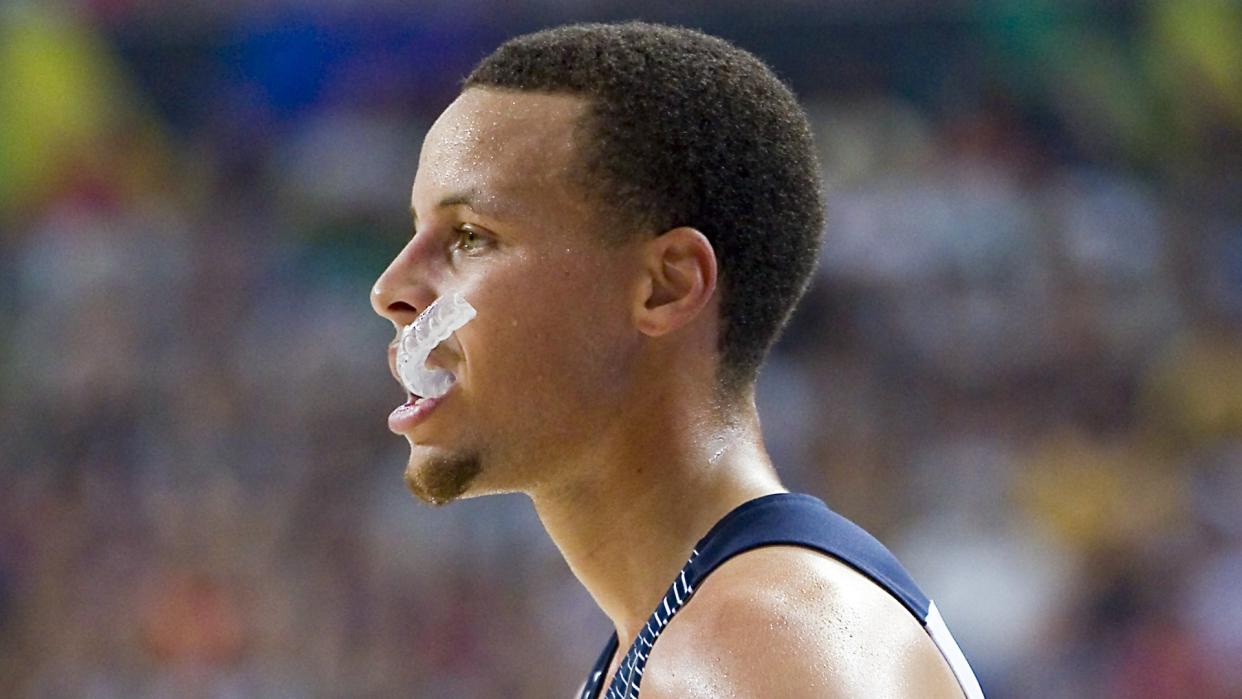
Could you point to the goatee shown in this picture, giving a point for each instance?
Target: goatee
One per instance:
(441, 479)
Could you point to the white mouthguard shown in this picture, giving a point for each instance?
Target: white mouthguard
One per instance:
(442, 318)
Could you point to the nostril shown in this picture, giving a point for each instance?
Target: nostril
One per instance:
(401, 307)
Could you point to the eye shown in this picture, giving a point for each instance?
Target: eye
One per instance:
(470, 241)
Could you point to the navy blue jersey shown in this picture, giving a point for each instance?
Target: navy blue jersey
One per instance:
(783, 519)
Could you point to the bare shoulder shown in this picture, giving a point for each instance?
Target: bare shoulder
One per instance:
(790, 622)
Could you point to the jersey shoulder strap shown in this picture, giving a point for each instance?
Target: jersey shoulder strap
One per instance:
(781, 519)
(796, 519)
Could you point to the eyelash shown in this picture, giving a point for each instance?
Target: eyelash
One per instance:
(479, 242)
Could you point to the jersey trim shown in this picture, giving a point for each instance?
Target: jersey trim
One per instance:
(952, 653)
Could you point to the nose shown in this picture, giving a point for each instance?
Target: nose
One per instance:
(407, 286)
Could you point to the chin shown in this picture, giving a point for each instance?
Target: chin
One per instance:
(441, 478)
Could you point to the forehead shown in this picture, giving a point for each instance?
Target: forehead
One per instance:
(512, 147)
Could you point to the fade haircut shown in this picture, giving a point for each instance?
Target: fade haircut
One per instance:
(685, 129)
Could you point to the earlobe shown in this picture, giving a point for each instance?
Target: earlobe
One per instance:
(680, 268)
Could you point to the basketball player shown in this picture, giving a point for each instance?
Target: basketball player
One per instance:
(634, 210)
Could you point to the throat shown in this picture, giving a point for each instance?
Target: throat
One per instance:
(627, 537)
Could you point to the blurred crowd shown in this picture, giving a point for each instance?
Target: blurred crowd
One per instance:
(1020, 362)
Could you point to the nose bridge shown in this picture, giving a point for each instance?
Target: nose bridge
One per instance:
(409, 283)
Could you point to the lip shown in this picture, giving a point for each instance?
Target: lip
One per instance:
(413, 413)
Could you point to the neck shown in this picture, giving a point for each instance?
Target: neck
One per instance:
(652, 491)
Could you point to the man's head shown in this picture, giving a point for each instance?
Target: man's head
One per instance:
(684, 129)
(583, 193)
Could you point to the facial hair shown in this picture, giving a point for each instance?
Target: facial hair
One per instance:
(441, 479)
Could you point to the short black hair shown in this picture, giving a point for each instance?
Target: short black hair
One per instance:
(686, 129)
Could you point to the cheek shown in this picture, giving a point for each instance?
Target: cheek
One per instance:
(556, 336)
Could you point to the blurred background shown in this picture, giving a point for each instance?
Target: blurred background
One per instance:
(1020, 364)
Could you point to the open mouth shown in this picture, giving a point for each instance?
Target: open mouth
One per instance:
(412, 399)
(434, 366)
(426, 385)
(417, 341)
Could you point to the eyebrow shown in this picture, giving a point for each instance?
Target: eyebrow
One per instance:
(468, 199)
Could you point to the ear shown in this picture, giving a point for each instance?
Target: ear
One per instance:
(679, 269)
